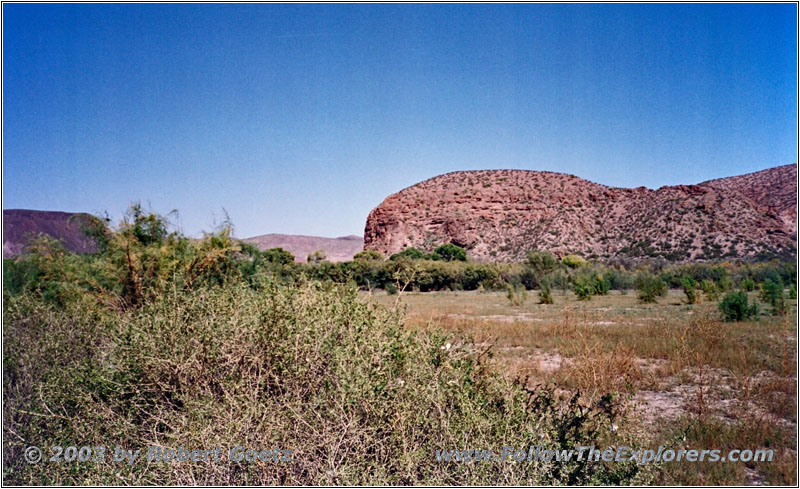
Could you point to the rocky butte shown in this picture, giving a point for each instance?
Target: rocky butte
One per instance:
(499, 215)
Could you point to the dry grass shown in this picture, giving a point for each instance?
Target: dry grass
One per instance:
(738, 380)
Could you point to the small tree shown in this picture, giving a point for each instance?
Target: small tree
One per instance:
(545, 295)
(584, 288)
(541, 262)
(278, 256)
(516, 294)
(649, 288)
(411, 253)
(602, 284)
(710, 289)
(318, 256)
(690, 289)
(368, 255)
(772, 294)
(573, 261)
(734, 307)
(450, 252)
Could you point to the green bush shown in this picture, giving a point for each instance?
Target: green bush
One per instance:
(690, 289)
(735, 307)
(545, 294)
(726, 283)
(516, 294)
(601, 284)
(278, 256)
(573, 261)
(649, 288)
(748, 284)
(621, 280)
(310, 368)
(584, 288)
(411, 253)
(710, 289)
(450, 252)
(318, 256)
(368, 255)
(541, 262)
(772, 293)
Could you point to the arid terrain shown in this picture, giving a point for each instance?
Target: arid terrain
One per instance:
(336, 249)
(20, 225)
(686, 378)
(499, 215)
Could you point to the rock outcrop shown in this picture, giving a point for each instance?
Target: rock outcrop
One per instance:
(501, 214)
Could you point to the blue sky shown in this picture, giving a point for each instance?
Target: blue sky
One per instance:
(302, 118)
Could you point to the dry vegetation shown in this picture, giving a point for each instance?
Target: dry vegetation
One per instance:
(688, 379)
(160, 340)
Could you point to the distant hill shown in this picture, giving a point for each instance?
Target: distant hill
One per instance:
(501, 214)
(336, 249)
(19, 225)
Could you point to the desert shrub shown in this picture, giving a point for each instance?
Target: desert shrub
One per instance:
(621, 280)
(476, 274)
(735, 307)
(436, 275)
(278, 256)
(772, 293)
(310, 368)
(649, 288)
(368, 255)
(690, 289)
(411, 253)
(775, 270)
(584, 287)
(748, 284)
(726, 283)
(528, 277)
(516, 294)
(545, 294)
(793, 292)
(573, 261)
(601, 283)
(449, 252)
(318, 256)
(560, 280)
(541, 262)
(710, 289)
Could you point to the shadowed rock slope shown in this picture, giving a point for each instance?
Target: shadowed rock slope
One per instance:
(20, 225)
(501, 214)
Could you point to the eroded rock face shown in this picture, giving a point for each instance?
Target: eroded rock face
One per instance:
(501, 214)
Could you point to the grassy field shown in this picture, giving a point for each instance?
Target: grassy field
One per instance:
(688, 379)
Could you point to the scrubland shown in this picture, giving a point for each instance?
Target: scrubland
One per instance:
(159, 340)
(683, 376)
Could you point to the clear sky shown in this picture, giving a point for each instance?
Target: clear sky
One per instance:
(302, 118)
